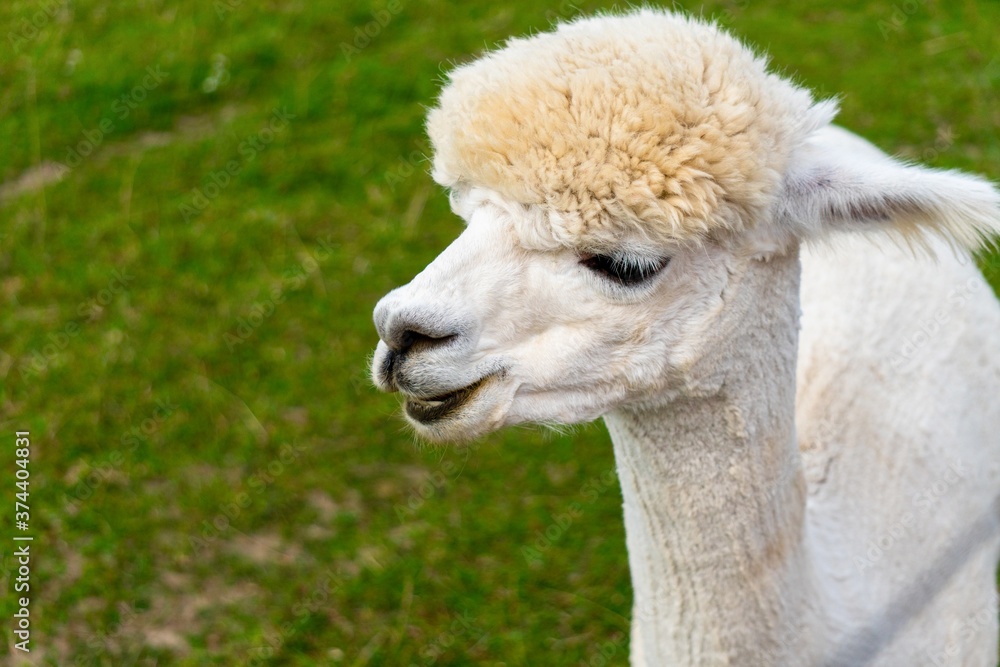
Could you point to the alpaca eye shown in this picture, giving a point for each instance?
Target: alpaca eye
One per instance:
(625, 270)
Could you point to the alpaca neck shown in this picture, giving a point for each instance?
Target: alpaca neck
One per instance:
(714, 500)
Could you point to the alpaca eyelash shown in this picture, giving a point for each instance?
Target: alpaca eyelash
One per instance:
(625, 270)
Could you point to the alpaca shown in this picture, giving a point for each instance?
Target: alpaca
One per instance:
(780, 325)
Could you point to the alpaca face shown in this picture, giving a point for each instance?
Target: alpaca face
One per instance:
(503, 328)
(512, 324)
(622, 179)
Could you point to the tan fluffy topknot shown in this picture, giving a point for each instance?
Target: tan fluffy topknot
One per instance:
(651, 124)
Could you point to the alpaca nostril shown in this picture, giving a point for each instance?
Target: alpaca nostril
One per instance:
(409, 338)
(419, 326)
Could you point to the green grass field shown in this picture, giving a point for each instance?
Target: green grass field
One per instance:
(200, 204)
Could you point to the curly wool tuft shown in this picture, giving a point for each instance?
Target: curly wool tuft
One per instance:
(651, 126)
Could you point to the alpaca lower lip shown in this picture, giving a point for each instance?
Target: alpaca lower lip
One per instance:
(439, 407)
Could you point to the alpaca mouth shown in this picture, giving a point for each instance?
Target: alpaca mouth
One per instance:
(440, 407)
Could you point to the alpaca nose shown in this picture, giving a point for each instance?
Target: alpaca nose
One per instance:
(405, 326)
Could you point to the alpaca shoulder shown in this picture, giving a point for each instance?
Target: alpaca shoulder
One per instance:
(899, 427)
(911, 342)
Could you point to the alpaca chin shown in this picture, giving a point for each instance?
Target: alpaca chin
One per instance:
(463, 415)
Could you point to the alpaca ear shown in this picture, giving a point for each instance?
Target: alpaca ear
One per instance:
(838, 181)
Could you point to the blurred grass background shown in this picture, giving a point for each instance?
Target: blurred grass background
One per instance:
(185, 322)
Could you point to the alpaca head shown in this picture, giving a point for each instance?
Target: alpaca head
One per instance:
(626, 182)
